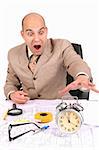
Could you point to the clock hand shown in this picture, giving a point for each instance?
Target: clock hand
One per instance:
(68, 117)
(72, 123)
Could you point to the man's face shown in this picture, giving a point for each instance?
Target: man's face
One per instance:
(35, 34)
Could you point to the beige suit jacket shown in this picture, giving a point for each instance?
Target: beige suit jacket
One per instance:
(50, 73)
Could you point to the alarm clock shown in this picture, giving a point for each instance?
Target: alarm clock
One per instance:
(68, 117)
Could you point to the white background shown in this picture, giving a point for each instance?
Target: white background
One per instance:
(75, 20)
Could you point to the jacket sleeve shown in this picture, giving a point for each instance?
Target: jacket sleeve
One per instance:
(12, 81)
(73, 62)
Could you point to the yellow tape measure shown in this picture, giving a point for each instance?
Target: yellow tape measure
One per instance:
(43, 117)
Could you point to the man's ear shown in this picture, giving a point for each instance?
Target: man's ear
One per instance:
(21, 32)
(46, 30)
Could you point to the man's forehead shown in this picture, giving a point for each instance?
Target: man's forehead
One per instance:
(35, 29)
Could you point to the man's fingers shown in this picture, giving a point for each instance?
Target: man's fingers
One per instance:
(78, 84)
(19, 101)
(19, 97)
(90, 86)
(23, 93)
(93, 88)
(69, 87)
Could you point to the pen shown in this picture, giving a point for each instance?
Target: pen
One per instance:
(5, 115)
(41, 129)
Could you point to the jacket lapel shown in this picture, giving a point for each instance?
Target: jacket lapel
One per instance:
(24, 61)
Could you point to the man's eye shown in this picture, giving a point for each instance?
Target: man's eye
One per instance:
(41, 32)
(30, 34)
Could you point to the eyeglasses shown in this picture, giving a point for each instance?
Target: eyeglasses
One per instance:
(35, 126)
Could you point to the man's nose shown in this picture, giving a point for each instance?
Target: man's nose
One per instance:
(36, 37)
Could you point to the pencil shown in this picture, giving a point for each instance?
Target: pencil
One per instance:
(41, 129)
(5, 115)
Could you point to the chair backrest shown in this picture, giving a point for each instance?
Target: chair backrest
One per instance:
(78, 93)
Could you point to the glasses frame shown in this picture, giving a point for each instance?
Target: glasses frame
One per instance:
(14, 125)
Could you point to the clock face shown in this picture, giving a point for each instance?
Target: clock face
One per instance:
(69, 120)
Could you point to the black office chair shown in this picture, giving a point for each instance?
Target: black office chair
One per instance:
(78, 93)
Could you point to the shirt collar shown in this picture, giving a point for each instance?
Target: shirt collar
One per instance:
(29, 52)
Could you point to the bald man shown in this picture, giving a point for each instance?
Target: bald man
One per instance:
(38, 67)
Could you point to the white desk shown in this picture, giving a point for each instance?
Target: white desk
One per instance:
(86, 137)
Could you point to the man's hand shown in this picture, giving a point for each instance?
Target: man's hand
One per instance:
(19, 97)
(82, 81)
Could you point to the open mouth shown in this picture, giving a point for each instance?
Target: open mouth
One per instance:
(37, 46)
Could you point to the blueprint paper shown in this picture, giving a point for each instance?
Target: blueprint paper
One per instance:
(86, 137)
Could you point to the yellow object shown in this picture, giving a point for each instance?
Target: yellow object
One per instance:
(43, 117)
(5, 115)
(22, 120)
